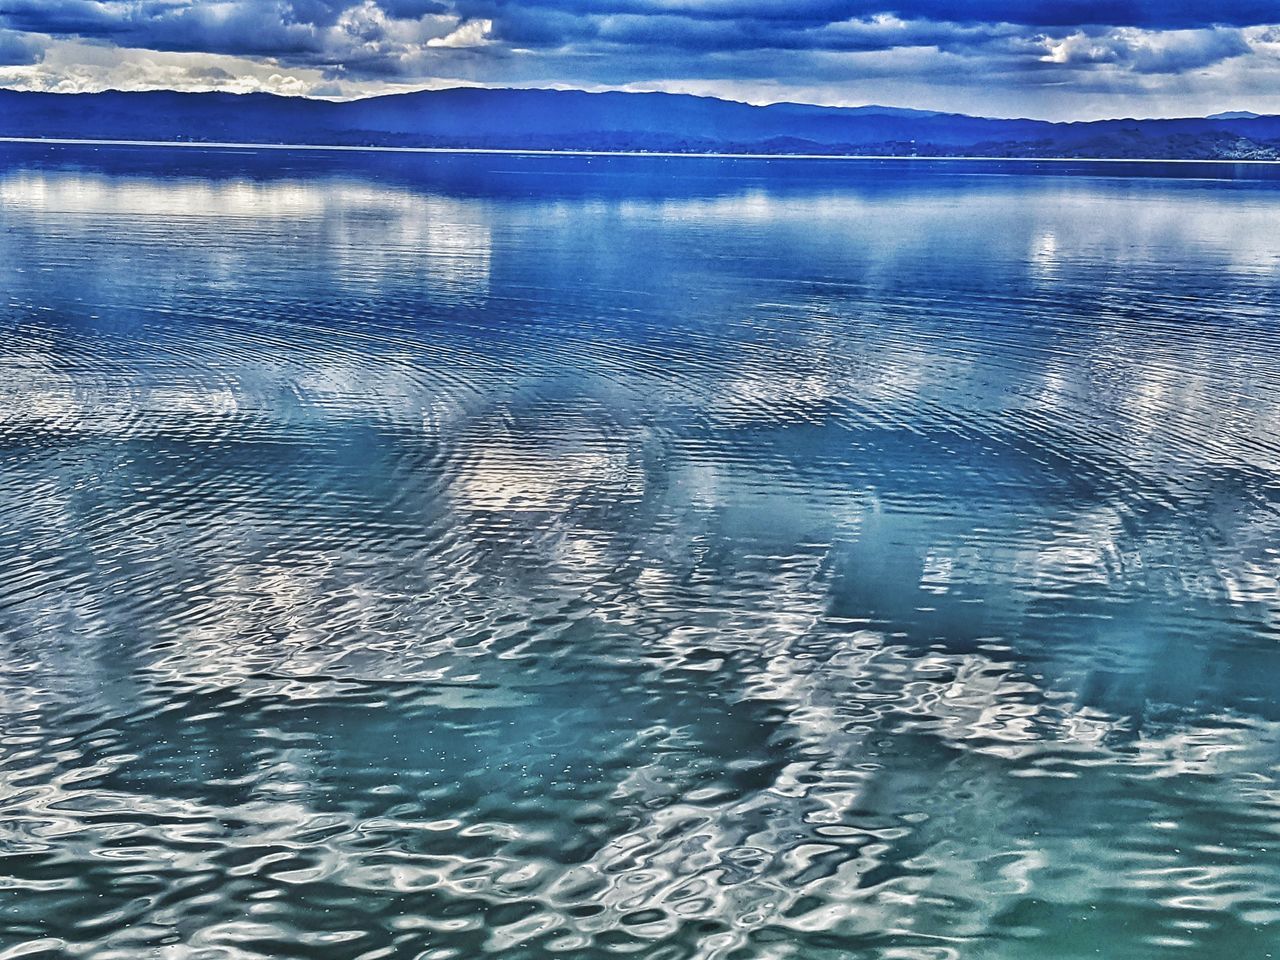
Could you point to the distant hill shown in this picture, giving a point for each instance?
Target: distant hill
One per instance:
(571, 119)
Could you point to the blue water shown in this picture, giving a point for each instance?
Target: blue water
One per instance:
(437, 557)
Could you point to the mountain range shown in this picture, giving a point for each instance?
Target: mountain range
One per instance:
(526, 119)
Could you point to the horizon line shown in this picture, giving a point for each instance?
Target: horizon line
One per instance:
(655, 154)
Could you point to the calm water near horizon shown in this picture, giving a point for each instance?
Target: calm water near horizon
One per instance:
(446, 557)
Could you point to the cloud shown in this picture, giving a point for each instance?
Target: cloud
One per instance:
(988, 56)
(473, 33)
(74, 68)
(18, 48)
(1146, 52)
(1148, 14)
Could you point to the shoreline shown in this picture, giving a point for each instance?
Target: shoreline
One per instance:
(533, 152)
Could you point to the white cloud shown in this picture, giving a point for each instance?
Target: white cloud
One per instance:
(367, 47)
(473, 33)
(1149, 51)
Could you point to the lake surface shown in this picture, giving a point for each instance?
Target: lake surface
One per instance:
(437, 557)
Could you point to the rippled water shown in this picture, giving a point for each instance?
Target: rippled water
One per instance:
(451, 557)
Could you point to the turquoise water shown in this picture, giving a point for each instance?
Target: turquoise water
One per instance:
(491, 556)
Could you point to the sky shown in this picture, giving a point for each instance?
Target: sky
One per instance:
(1056, 59)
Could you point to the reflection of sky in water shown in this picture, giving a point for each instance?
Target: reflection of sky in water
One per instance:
(548, 561)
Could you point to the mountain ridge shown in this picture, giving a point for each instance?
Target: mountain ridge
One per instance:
(545, 119)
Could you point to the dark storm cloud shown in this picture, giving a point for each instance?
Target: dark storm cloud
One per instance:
(657, 31)
(1150, 14)
(290, 27)
(265, 27)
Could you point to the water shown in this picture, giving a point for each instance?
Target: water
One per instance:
(488, 556)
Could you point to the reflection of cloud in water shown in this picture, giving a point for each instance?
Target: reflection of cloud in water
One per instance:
(515, 479)
(550, 576)
(90, 195)
(370, 233)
